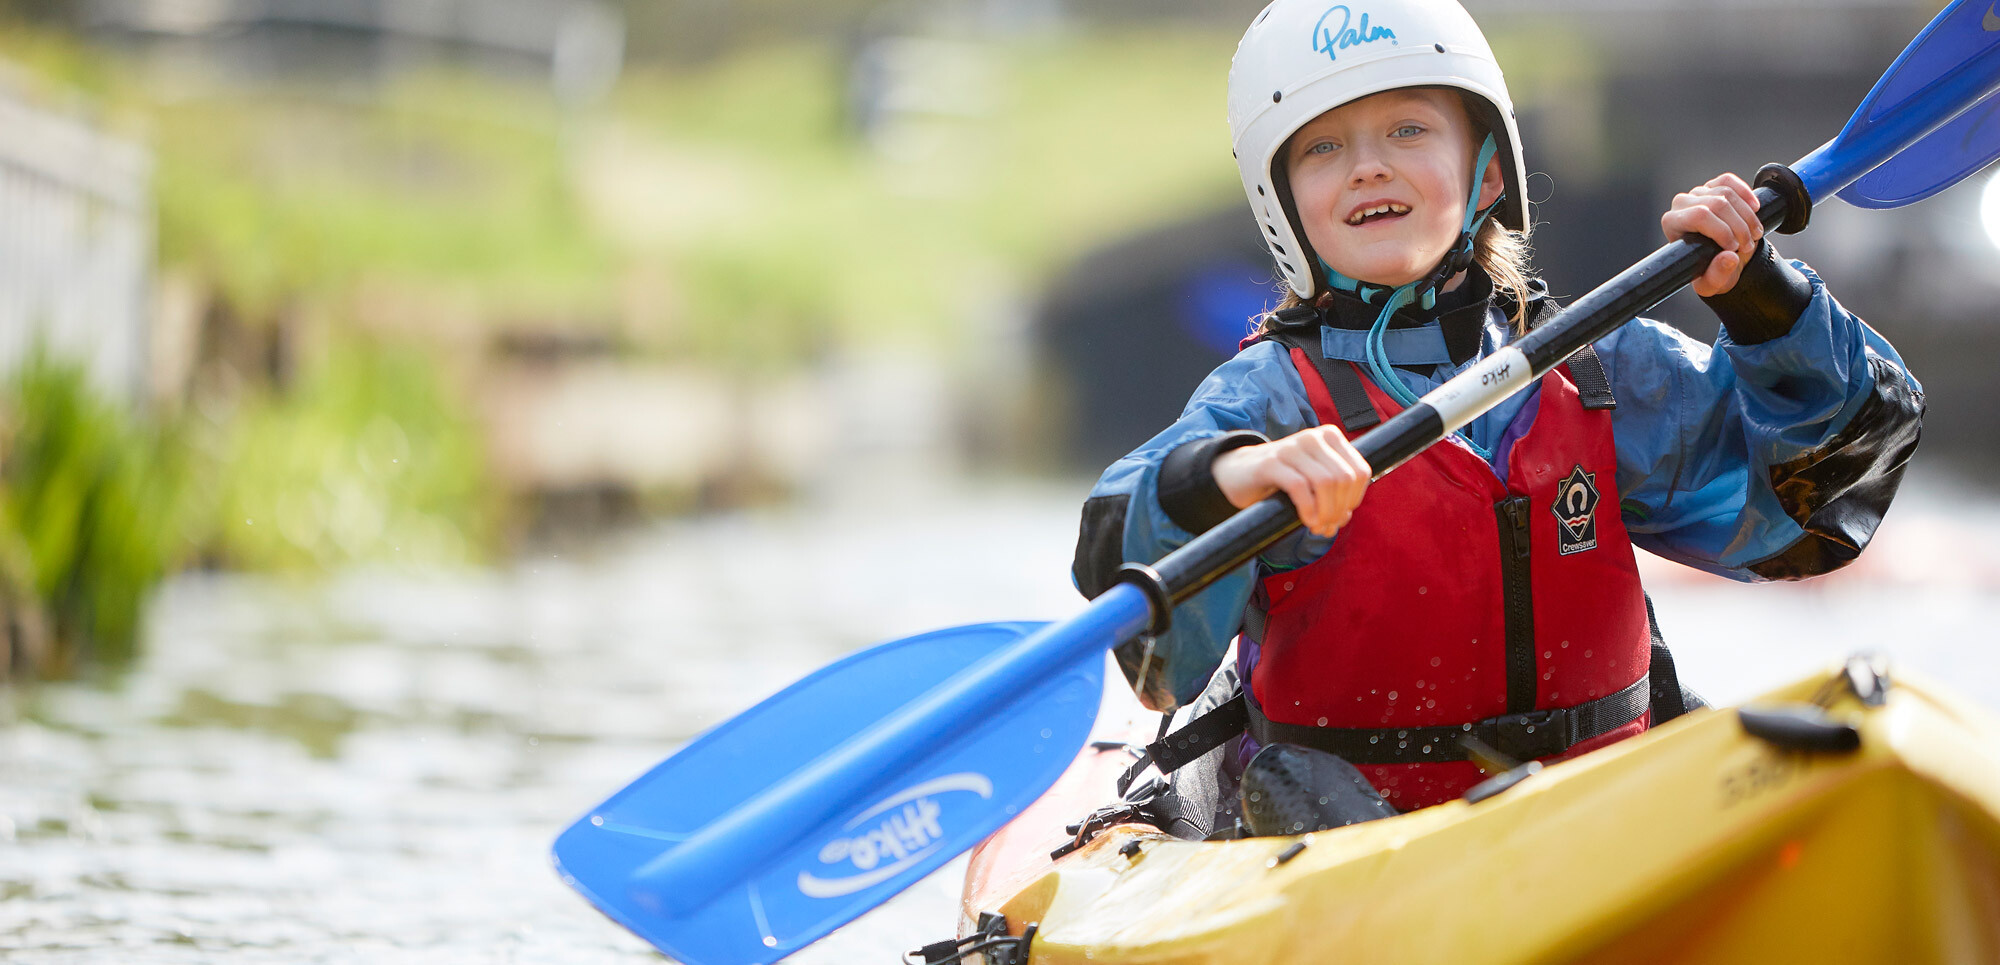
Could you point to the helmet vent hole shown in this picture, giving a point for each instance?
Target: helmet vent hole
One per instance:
(1280, 249)
(1288, 267)
(1277, 95)
(1260, 188)
(1440, 47)
(1273, 231)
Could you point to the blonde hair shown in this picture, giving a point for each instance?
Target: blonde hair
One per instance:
(1498, 250)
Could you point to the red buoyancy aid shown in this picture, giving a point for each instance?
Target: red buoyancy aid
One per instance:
(1452, 597)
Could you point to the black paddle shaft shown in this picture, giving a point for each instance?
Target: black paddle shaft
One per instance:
(1235, 541)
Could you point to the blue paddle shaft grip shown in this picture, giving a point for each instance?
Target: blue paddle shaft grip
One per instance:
(691, 873)
(1240, 538)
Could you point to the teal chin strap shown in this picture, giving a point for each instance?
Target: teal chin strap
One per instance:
(1423, 291)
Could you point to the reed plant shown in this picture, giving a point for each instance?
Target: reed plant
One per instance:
(90, 519)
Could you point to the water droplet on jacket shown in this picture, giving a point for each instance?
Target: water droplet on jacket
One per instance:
(1586, 654)
(1429, 704)
(1465, 727)
(1548, 654)
(1402, 733)
(1437, 660)
(1565, 644)
(1322, 722)
(1373, 690)
(1288, 584)
(1548, 675)
(1402, 743)
(1423, 590)
(1047, 733)
(1420, 683)
(1427, 748)
(1392, 695)
(1374, 738)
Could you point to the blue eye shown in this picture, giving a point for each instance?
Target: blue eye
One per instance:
(1322, 147)
(1407, 130)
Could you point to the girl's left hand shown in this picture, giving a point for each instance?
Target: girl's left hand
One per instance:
(1725, 211)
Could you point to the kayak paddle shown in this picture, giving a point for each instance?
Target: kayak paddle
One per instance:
(826, 799)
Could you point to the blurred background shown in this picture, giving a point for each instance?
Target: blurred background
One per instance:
(418, 416)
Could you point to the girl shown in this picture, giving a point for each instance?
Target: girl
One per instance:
(1486, 588)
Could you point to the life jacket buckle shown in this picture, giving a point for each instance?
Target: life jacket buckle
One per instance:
(1539, 733)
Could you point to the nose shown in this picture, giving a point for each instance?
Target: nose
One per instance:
(1369, 164)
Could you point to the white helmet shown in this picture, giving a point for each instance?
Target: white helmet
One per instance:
(1301, 58)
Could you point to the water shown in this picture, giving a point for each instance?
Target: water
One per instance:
(371, 769)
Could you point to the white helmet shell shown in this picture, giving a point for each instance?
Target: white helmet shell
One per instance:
(1301, 58)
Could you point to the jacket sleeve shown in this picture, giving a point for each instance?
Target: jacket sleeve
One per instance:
(1161, 495)
(1773, 454)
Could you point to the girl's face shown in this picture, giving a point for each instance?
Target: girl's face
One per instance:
(1380, 183)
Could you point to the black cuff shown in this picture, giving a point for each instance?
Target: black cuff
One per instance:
(1100, 544)
(1769, 296)
(1188, 492)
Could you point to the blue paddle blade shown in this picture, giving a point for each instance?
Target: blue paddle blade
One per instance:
(938, 808)
(1955, 60)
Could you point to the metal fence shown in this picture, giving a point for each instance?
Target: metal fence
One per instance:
(579, 44)
(76, 244)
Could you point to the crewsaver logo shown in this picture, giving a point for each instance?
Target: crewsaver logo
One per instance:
(1576, 512)
(897, 833)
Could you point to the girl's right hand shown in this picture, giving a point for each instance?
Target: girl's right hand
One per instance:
(1318, 468)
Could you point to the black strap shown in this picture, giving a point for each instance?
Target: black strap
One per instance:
(1669, 700)
(1666, 697)
(1586, 370)
(1201, 735)
(1540, 733)
(1592, 388)
(1343, 383)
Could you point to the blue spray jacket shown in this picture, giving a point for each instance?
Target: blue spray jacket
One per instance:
(1770, 455)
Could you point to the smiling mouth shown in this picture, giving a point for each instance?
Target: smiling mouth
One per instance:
(1380, 212)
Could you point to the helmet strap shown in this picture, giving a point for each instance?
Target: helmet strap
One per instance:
(1422, 291)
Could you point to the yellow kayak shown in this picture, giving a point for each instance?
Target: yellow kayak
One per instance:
(1694, 842)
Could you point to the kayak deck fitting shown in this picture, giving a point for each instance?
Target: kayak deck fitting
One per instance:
(1693, 842)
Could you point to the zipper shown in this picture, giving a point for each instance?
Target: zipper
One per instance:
(1518, 601)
